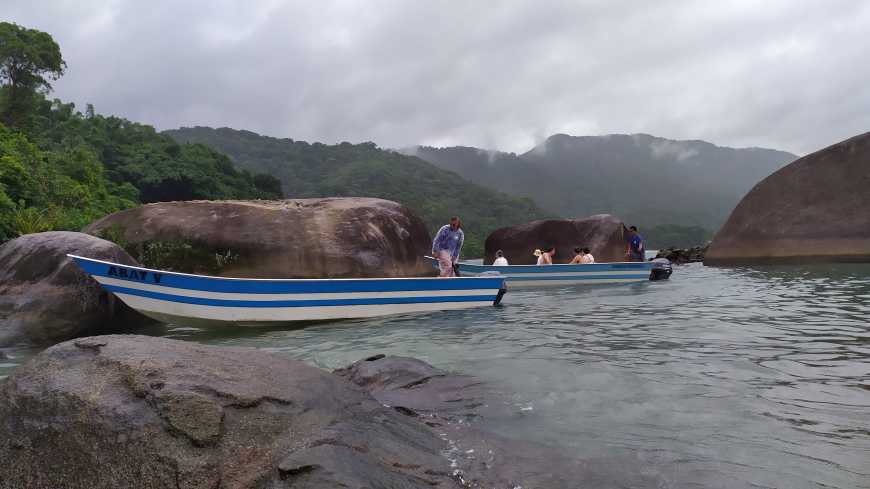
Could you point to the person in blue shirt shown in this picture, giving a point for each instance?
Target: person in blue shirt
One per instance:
(447, 245)
(635, 251)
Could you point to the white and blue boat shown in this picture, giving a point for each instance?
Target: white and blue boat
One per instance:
(200, 300)
(565, 274)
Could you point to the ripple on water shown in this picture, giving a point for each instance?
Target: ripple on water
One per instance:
(746, 377)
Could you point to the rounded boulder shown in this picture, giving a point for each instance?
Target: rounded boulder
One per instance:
(814, 209)
(604, 235)
(298, 238)
(44, 296)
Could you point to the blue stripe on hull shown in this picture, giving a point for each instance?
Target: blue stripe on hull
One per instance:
(556, 268)
(280, 286)
(580, 277)
(299, 303)
(560, 268)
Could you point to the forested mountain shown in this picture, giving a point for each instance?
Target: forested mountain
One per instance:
(320, 170)
(643, 179)
(61, 169)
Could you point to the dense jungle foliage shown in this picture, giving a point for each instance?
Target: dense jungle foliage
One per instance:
(61, 169)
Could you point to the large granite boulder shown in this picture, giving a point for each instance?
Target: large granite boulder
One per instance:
(603, 234)
(142, 412)
(814, 209)
(301, 238)
(44, 296)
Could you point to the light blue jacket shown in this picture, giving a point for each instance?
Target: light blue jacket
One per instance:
(448, 239)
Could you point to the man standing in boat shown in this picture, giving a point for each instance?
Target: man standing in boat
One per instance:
(635, 250)
(447, 245)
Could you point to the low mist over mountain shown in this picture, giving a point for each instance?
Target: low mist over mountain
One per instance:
(364, 170)
(643, 179)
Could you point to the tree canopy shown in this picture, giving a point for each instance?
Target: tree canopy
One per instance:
(61, 169)
(28, 60)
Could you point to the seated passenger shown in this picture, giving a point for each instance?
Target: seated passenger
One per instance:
(587, 257)
(546, 258)
(500, 260)
(578, 257)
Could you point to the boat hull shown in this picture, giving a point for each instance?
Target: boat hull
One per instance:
(198, 300)
(561, 274)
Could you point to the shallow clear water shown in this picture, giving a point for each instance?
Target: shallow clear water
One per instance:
(715, 378)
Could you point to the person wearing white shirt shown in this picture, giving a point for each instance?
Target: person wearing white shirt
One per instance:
(500, 260)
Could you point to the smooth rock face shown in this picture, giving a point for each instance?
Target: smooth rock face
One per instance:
(603, 234)
(46, 298)
(814, 209)
(142, 412)
(302, 238)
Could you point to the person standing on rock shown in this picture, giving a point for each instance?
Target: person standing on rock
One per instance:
(447, 245)
(635, 251)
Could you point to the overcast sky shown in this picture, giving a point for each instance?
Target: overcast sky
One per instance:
(790, 74)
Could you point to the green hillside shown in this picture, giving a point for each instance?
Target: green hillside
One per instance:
(678, 187)
(364, 170)
(61, 169)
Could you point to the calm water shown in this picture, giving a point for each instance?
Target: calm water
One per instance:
(716, 378)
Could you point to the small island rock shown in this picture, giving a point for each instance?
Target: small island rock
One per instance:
(44, 296)
(814, 209)
(605, 235)
(297, 238)
(680, 256)
(142, 412)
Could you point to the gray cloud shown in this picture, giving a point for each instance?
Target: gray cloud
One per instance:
(784, 74)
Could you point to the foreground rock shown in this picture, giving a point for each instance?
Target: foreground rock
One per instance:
(46, 298)
(814, 209)
(603, 234)
(453, 404)
(142, 412)
(680, 256)
(303, 238)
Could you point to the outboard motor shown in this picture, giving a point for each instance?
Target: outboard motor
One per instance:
(501, 292)
(661, 269)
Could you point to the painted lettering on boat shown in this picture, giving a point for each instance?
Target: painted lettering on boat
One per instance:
(142, 276)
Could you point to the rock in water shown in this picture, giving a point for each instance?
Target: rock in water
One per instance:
(46, 298)
(454, 404)
(302, 238)
(679, 256)
(603, 234)
(142, 412)
(814, 209)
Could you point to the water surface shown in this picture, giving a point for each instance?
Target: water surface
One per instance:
(751, 377)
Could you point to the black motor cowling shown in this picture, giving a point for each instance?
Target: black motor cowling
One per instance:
(661, 269)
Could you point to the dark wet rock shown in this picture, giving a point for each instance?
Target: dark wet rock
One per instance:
(457, 407)
(603, 234)
(301, 238)
(408, 384)
(814, 209)
(142, 412)
(679, 256)
(44, 296)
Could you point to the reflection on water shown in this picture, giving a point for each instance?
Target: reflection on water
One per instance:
(755, 377)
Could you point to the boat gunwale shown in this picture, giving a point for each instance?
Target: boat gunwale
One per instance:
(574, 267)
(214, 277)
